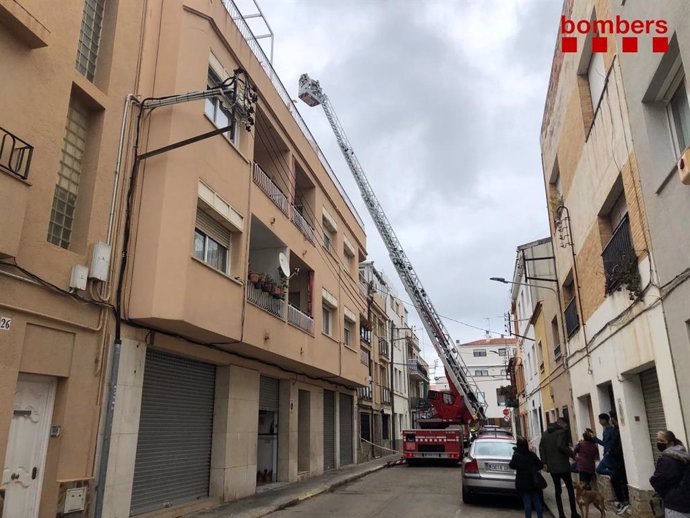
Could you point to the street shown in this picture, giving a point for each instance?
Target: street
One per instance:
(432, 492)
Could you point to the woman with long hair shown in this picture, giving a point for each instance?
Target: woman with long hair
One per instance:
(528, 479)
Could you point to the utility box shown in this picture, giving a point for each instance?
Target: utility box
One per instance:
(78, 277)
(75, 500)
(100, 261)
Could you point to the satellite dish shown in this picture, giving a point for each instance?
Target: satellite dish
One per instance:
(284, 264)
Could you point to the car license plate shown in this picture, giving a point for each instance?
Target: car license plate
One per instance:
(496, 467)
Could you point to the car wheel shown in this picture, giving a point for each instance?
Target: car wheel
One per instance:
(467, 497)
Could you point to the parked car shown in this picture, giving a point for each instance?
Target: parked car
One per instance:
(485, 469)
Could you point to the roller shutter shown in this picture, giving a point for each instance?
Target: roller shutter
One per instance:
(328, 430)
(345, 429)
(175, 429)
(269, 389)
(656, 420)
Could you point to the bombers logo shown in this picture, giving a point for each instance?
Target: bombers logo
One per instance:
(628, 29)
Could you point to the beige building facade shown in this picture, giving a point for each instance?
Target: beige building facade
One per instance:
(233, 357)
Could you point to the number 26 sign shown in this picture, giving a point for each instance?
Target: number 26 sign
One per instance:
(5, 323)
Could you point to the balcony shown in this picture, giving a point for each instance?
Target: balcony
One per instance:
(416, 371)
(301, 320)
(572, 320)
(15, 154)
(385, 395)
(365, 335)
(384, 348)
(271, 190)
(266, 301)
(620, 260)
(364, 393)
(302, 224)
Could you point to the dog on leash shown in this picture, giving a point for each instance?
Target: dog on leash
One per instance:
(586, 497)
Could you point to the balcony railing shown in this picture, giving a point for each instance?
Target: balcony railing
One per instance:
(416, 370)
(572, 320)
(363, 290)
(281, 201)
(15, 154)
(365, 335)
(364, 393)
(384, 348)
(385, 395)
(620, 261)
(301, 320)
(265, 63)
(266, 301)
(302, 224)
(364, 357)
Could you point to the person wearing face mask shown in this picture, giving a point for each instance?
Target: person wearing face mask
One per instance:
(671, 479)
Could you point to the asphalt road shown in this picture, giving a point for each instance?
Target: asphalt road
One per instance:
(402, 492)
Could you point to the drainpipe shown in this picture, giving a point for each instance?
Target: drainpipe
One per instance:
(393, 435)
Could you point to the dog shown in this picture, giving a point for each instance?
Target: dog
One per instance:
(586, 497)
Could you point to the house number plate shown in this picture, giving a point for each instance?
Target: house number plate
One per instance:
(5, 323)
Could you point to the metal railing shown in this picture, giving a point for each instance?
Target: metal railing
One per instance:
(384, 348)
(364, 357)
(265, 63)
(301, 320)
(266, 301)
(15, 154)
(415, 369)
(572, 320)
(365, 393)
(620, 261)
(385, 395)
(302, 224)
(271, 189)
(365, 335)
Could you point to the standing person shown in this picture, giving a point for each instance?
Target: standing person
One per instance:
(586, 454)
(527, 467)
(620, 476)
(565, 424)
(611, 464)
(671, 479)
(554, 452)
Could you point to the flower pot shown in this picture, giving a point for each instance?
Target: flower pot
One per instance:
(277, 292)
(254, 277)
(267, 287)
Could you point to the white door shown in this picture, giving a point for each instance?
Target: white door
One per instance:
(22, 474)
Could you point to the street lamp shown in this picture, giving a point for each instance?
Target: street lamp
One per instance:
(504, 281)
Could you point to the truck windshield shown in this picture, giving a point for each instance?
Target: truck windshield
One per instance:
(494, 448)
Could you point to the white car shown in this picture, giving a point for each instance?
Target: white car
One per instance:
(486, 470)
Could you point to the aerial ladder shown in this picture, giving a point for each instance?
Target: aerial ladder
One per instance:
(463, 407)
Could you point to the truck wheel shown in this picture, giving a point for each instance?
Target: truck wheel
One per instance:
(467, 497)
(412, 462)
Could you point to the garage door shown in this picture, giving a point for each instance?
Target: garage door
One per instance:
(345, 415)
(328, 430)
(653, 408)
(174, 448)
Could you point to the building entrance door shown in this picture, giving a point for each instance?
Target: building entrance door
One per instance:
(22, 474)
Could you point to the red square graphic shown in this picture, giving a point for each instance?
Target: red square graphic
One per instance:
(568, 44)
(660, 44)
(600, 44)
(630, 44)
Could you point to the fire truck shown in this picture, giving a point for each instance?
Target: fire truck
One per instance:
(445, 428)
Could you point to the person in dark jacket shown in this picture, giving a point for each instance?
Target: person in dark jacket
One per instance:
(555, 454)
(613, 463)
(671, 479)
(586, 454)
(526, 464)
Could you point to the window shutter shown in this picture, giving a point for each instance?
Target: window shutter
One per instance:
(212, 228)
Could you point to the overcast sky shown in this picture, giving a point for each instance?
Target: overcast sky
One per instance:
(442, 102)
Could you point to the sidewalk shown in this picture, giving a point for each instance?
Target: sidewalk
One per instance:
(267, 502)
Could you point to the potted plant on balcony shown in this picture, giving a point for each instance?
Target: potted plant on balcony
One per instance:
(268, 283)
(277, 292)
(253, 276)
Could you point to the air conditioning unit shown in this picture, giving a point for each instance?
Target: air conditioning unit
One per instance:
(684, 167)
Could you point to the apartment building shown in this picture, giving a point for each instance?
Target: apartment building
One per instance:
(487, 361)
(418, 379)
(64, 83)
(619, 355)
(375, 401)
(657, 91)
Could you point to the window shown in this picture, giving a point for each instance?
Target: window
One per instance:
(212, 242)
(500, 398)
(679, 115)
(89, 37)
(330, 228)
(478, 353)
(348, 332)
(216, 109)
(326, 320)
(327, 239)
(556, 338)
(596, 77)
(503, 351)
(71, 165)
(481, 372)
(503, 372)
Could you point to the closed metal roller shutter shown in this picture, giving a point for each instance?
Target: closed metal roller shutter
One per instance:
(173, 456)
(269, 389)
(345, 429)
(212, 228)
(328, 429)
(656, 420)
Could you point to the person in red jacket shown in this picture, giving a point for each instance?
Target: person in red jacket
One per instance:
(586, 453)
